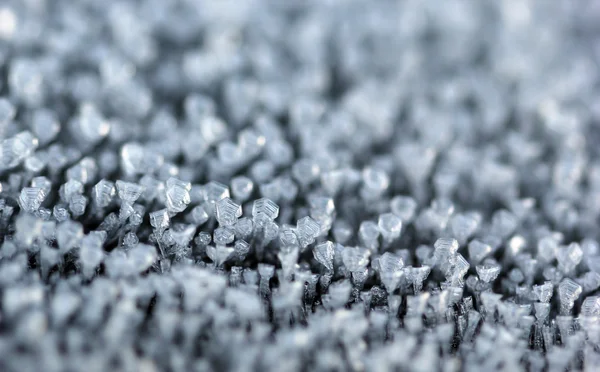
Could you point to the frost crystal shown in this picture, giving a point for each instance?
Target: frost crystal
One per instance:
(177, 195)
(31, 198)
(104, 192)
(265, 208)
(129, 192)
(355, 259)
(488, 271)
(390, 270)
(390, 226)
(307, 231)
(324, 253)
(228, 212)
(568, 292)
(402, 212)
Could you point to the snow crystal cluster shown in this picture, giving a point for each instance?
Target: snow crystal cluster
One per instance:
(319, 185)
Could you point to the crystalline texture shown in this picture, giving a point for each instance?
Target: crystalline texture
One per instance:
(77, 205)
(390, 270)
(368, 233)
(215, 191)
(103, 193)
(223, 236)
(488, 271)
(445, 248)
(228, 212)
(591, 306)
(324, 253)
(568, 292)
(307, 231)
(177, 195)
(31, 198)
(543, 292)
(265, 207)
(129, 192)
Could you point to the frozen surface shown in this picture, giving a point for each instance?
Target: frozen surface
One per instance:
(319, 185)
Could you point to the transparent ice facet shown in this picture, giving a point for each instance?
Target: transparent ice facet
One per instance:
(223, 236)
(266, 208)
(198, 215)
(368, 233)
(390, 270)
(324, 254)
(244, 228)
(228, 212)
(458, 270)
(68, 190)
(77, 205)
(181, 235)
(129, 192)
(591, 306)
(103, 193)
(488, 271)
(568, 292)
(241, 249)
(177, 195)
(307, 230)
(215, 191)
(478, 250)
(160, 220)
(31, 198)
(543, 292)
(445, 248)
(355, 259)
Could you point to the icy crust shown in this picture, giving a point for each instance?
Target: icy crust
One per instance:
(199, 185)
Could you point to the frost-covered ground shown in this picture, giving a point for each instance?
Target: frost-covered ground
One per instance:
(319, 185)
